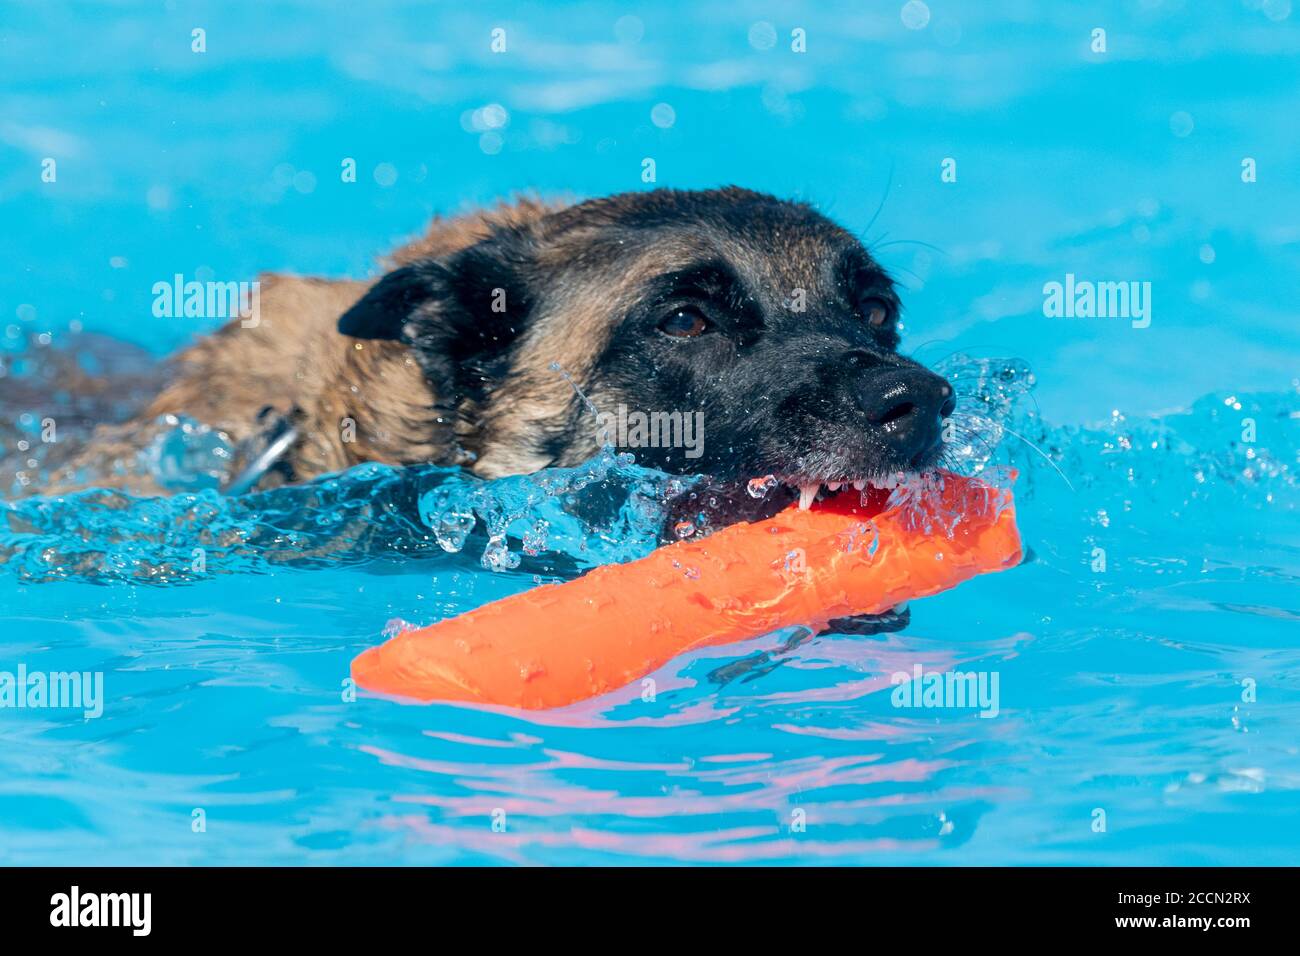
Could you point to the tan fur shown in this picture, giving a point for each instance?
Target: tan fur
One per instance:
(508, 431)
(294, 360)
(444, 236)
(356, 400)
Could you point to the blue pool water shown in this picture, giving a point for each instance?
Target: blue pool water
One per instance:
(1146, 651)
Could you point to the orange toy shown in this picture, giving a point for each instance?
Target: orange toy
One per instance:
(562, 643)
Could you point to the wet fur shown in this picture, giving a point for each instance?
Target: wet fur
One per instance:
(473, 346)
(296, 364)
(464, 352)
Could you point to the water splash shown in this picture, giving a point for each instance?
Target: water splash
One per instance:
(571, 519)
(1225, 451)
(1225, 448)
(989, 393)
(605, 510)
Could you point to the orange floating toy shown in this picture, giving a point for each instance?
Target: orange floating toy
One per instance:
(562, 643)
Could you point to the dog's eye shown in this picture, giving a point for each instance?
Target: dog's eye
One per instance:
(875, 311)
(685, 323)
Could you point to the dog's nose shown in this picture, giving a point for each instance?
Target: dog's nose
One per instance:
(908, 405)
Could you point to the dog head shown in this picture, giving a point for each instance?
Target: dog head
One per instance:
(721, 332)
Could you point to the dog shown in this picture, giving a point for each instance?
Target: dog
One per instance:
(496, 339)
(500, 339)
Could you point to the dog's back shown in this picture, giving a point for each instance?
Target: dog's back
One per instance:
(350, 401)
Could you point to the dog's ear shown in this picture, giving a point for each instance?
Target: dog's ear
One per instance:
(459, 314)
(384, 309)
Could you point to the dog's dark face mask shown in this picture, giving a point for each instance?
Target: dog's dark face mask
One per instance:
(724, 333)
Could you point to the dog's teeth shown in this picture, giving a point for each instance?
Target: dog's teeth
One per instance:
(859, 484)
(806, 495)
(834, 485)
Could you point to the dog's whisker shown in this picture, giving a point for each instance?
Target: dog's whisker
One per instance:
(911, 242)
(1044, 455)
(889, 182)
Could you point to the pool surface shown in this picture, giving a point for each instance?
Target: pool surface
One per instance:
(1147, 653)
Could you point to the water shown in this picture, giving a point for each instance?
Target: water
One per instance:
(1146, 651)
